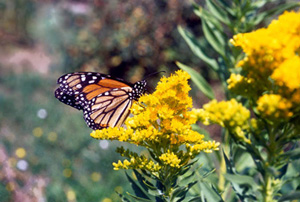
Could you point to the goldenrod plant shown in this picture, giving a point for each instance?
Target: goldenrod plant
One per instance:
(161, 123)
(260, 73)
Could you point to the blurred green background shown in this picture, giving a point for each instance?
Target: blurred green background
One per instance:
(46, 153)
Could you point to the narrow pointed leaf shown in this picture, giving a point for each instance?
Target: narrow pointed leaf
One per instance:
(292, 155)
(214, 37)
(200, 82)
(228, 7)
(229, 167)
(241, 180)
(143, 182)
(209, 193)
(123, 198)
(186, 178)
(205, 175)
(154, 156)
(195, 199)
(202, 13)
(197, 49)
(137, 190)
(217, 11)
(146, 173)
(275, 11)
(179, 194)
(290, 197)
(244, 186)
(138, 198)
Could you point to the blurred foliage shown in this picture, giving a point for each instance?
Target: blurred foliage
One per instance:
(44, 145)
(122, 38)
(57, 146)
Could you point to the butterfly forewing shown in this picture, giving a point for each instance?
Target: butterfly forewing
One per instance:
(105, 101)
(67, 99)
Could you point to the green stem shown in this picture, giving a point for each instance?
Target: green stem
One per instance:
(270, 161)
(267, 195)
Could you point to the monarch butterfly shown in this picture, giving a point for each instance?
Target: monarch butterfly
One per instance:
(105, 101)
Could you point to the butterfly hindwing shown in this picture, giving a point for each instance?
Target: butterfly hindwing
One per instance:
(108, 110)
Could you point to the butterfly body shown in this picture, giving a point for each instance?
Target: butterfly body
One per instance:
(105, 101)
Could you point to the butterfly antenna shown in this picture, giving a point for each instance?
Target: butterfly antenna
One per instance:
(152, 74)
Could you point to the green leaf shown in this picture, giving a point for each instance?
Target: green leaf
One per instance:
(275, 11)
(180, 192)
(289, 197)
(186, 168)
(214, 33)
(218, 11)
(292, 155)
(154, 156)
(147, 186)
(205, 175)
(197, 49)
(214, 37)
(209, 193)
(146, 173)
(259, 4)
(229, 167)
(243, 186)
(241, 180)
(196, 199)
(143, 182)
(188, 178)
(200, 82)
(202, 13)
(138, 198)
(123, 198)
(231, 12)
(137, 190)
(183, 170)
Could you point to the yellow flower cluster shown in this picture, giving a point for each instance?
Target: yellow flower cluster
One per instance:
(171, 159)
(228, 114)
(274, 106)
(206, 146)
(137, 163)
(288, 73)
(161, 122)
(271, 65)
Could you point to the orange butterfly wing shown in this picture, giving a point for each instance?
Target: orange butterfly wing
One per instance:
(105, 101)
